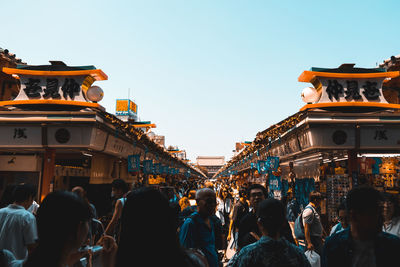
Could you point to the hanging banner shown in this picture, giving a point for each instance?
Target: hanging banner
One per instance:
(275, 183)
(147, 166)
(261, 166)
(134, 163)
(272, 163)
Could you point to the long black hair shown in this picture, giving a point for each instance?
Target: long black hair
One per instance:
(58, 219)
(148, 231)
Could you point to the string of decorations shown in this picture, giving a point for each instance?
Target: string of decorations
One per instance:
(263, 140)
(139, 138)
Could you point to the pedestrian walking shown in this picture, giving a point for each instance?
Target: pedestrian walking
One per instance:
(313, 230)
(343, 221)
(271, 249)
(363, 244)
(391, 215)
(119, 188)
(18, 232)
(148, 233)
(198, 231)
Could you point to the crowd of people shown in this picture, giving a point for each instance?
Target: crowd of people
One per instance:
(197, 224)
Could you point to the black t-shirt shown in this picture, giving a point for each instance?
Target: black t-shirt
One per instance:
(249, 224)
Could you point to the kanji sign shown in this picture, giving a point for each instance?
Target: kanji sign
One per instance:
(351, 90)
(51, 87)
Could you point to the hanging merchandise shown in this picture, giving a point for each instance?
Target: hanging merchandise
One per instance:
(134, 163)
(337, 187)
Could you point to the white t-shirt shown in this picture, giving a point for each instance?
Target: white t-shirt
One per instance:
(393, 228)
(17, 230)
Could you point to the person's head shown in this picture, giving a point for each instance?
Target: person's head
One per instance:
(315, 198)
(184, 203)
(256, 193)
(192, 194)
(364, 212)
(206, 201)
(148, 224)
(342, 215)
(118, 188)
(209, 185)
(79, 191)
(390, 207)
(271, 217)
(63, 224)
(23, 195)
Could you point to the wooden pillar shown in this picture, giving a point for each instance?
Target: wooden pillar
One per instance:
(48, 172)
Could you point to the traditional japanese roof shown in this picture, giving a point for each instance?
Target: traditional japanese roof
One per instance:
(346, 71)
(58, 70)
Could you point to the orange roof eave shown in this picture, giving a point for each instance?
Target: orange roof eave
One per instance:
(152, 125)
(350, 104)
(49, 102)
(97, 74)
(308, 76)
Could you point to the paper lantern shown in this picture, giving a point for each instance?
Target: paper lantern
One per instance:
(310, 95)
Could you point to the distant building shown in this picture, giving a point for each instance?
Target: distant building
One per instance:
(210, 164)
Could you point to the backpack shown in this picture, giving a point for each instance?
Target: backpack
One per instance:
(298, 224)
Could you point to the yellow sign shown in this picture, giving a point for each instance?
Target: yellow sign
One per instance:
(122, 105)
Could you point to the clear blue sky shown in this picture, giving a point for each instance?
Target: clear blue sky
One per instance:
(208, 73)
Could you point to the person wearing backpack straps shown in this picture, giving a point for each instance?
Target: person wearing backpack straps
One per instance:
(313, 230)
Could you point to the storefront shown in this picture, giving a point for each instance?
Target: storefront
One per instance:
(346, 135)
(56, 135)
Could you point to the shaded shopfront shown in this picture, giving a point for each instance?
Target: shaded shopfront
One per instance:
(346, 135)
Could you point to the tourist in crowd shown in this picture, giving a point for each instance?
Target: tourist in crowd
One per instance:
(228, 204)
(391, 216)
(119, 188)
(82, 193)
(219, 212)
(240, 209)
(184, 203)
(271, 249)
(18, 232)
(363, 243)
(248, 231)
(342, 220)
(192, 197)
(148, 233)
(63, 223)
(292, 210)
(313, 230)
(198, 230)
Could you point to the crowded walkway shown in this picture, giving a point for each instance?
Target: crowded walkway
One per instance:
(226, 225)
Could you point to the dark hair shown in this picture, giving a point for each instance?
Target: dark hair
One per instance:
(120, 184)
(342, 206)
(314, 196)
(148, 224)
(257, 186)
(58, 219)
(271, 214)
(362, 199)
(23, 192)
